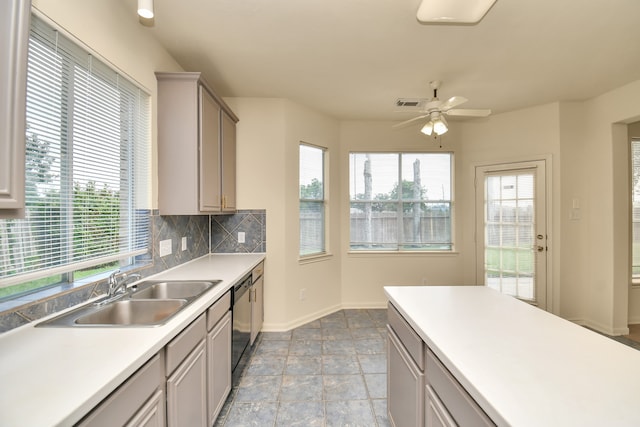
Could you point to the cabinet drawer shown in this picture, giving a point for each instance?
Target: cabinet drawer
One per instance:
(218, 310)
(462, 408)
(187, 340)
(409, 338)
(127, 400)
(257, 271)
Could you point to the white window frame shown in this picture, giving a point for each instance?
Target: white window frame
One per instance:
(634, 197)
(323, 251)
(399, 249)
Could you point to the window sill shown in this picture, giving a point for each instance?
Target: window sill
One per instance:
(374, 254)
(58, 290)
(315, 258)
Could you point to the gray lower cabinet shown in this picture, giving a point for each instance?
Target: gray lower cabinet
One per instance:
(151, 414)
(187, 377)
(420, 389)
(185, 384)
(218, 355)
(139, 401)
(436, 415)
(406, 381)
(448, 403)
(257, 308)
(405, 373)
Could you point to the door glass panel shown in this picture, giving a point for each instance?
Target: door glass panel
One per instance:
(509, 233)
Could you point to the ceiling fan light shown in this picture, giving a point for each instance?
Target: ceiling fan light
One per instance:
(453, 11)
(145, 9)
(440, 126)
(427, 129)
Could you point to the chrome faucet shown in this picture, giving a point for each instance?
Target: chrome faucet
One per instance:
(118, 285)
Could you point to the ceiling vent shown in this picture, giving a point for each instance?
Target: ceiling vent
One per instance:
(409, 102)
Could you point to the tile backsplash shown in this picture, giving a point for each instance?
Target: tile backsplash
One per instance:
(204, 233)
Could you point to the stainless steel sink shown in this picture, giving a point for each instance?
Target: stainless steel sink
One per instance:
(149, 303)
(132, 312)
(172, 289)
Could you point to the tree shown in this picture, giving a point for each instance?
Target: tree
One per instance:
(312, 191)
(38, 163)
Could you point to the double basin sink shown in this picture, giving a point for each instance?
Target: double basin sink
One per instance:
(149, 303)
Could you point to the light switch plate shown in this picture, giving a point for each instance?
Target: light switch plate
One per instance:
(165, 247)
(241, 237)
(184, 243)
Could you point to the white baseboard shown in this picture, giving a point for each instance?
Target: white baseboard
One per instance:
(283, 327)
(600, 327)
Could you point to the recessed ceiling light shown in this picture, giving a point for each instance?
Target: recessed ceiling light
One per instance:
(453, 11)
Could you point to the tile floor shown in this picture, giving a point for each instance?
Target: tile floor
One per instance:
(329, 372)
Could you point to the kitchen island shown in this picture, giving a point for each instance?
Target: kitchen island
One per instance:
(54, 376)
(521, 365)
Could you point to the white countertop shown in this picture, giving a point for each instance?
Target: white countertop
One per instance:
(54, 376)
(522, 365)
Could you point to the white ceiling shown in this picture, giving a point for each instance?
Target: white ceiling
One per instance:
(351, 59)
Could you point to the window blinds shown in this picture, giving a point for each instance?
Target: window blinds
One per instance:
(87, 164)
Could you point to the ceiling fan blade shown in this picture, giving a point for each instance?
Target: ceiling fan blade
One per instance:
(406, 122)
(454, 101)
(468, 113)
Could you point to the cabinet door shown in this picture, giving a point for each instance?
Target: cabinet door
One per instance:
(209, 161)
(257, 308)
(219, 365)
(405, 385)
(436, 415)
(132, 399)
(228, 163)
(151, 414)
(14, 24)
(187, 391)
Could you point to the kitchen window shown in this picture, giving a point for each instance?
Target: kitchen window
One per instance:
(87, 175)
(312, 200)
(635, 211)
(401, 201)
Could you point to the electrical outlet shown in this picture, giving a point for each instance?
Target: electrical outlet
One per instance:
(165, 247)
(303, 294)
(240, 236)
(184, 243)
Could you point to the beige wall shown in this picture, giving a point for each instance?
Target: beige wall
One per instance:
(112, 31)
(606, 186)
(269, 134)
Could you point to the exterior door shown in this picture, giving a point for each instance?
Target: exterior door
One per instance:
(511, 231)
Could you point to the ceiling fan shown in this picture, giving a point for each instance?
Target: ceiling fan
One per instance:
(435, 110)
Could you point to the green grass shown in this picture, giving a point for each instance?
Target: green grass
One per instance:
(511, 259)
(34, 285)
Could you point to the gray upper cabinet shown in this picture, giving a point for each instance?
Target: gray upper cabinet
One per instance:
(228, 185)
(14, 24)
(196, 147)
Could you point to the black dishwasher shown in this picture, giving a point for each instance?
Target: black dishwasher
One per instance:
(241, 316)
